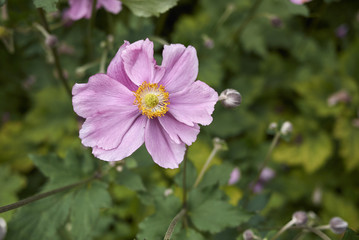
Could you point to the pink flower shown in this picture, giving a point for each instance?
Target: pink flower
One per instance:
(140, 102)
(83, 8)
(235, 176)
(300, 2)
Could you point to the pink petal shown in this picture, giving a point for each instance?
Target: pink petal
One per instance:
(101, 94)
(131, 141)
(181, 66)
(179, 132)
(163, 150)
(79, 9)
(194, 104)
(107, 130)
(113, 6)
(139, 62)
(116, 69)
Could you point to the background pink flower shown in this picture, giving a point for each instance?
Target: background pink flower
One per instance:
(140, 102)
(300, 2)
(83, 8)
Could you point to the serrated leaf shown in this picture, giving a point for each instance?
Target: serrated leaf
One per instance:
(215, 215)
(131, 180)
(258, 202)
(147, 8)
(47, 5)
(350, 235)
(189, 233)
(155, 226)
(83, 201)
(217, 174)
(85, 208)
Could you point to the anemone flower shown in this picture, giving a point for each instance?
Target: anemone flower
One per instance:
(138, 102)
(83, 8)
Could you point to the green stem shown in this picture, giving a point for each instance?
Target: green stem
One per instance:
(184, 183)
(266, 159)
(173, 223)
(318, 233)
(45, 194)
(90, 27)
(205, 166)
(248, 19)
(55, 54)
(283, 229)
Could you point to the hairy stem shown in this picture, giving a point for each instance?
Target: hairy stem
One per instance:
(45, 194)
(173, 223)
(205, 166)
(318, 233)
(55, 54)
(283, 229)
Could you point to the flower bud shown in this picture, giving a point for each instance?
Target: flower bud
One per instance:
(276, 22)
(230, 98)
(248, 235)
(286, 128)
(266, 174)
(51, 41)
(235, 176)
(168, 192)
(300, 218)
(338, 225)
(341, 31)
(3, 228)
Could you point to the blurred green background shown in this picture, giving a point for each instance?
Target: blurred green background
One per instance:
(289, 62)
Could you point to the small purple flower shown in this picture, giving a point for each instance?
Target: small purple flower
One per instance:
(266, 174)
(83, 8)
(300, 2)
(235, 176)
(341, 31)
(138, 102)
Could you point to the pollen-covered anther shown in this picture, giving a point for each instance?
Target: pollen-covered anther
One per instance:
(151, 99)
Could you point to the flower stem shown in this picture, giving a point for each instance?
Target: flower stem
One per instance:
(319, 233)
(55, 54)
(283, 229)
(90, 27)
(248, 19)
(267, 157)
(45, 194)
(184, 183)
(173, 223)
(205, 166)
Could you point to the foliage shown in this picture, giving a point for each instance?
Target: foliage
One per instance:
(289, 63)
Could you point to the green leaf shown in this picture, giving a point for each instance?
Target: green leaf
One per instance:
(217, 174)
(258, 202)
(131, 180)
(10, 184)
(148, 8)
(154, 227)
(311, 152)
(47, 5)
(189, 233)
(78, 207)
(350, 235)
(349, 142)
(215, 215)
(85, 208)
(210, 211)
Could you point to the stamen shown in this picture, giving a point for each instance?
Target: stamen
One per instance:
(151, 100)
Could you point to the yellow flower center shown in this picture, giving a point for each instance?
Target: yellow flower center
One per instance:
(151, 99)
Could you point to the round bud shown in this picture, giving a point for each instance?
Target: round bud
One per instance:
(338, 225)
(300, 218)
(266, 174)
(286, 128)
(248, 235)
(51, 41)
(3, 228)
(276, 22)
(230, 98)
(273, 126)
